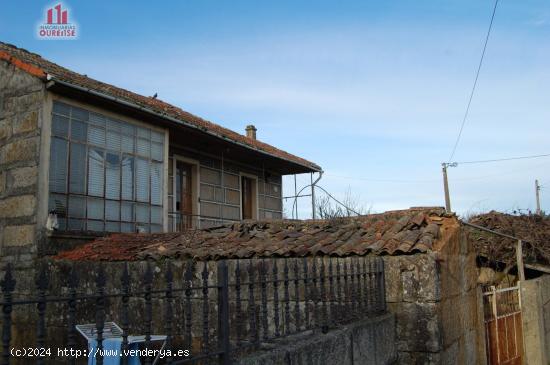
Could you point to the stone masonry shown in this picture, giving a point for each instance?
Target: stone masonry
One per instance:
(21, 119)
(435, 301)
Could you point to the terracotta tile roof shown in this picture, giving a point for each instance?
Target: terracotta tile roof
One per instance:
(391, 233)
(36, 65)
(533, 229)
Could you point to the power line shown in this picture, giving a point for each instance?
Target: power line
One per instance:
(399, 181)
(336, 200)
(382, 180)
(475, 82)
(503, 159)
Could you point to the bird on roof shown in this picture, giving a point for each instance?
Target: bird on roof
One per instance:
(155, 96)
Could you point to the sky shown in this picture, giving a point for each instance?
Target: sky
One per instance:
(372, 91)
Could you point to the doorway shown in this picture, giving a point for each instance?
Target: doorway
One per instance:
(185, 194)
(249, 197)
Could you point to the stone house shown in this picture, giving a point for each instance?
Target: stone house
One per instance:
(83, 157)
(430, 268)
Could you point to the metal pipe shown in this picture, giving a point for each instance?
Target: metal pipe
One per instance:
(491, 231)
(313, 192)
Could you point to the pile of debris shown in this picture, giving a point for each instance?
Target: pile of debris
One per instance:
(532, 229)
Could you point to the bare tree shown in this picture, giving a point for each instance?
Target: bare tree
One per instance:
(329, 209)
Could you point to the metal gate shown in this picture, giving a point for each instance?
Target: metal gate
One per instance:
(503, 326)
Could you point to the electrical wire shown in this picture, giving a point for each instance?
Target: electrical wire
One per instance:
(503, 159)
(475, 83)
(336, 200)
(326, 192)
(435, 180)
(384, 180)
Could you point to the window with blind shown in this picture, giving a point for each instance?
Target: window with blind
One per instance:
(105, 174)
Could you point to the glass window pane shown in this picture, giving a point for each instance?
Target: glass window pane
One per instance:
(77, 206)
(112, 227)
(142, 213)
(157, 136)
(143, 147)
(96, 135)
(112, 210)
(127, 144)
(128, 129)
(113, 141)
(58, 204)
(91, 164)
(76, 224)
(96, 208)
(142, 228)
(61, 108)
(156, 228)
(61, 223)
(144, 133)
(78, 113)
(60, 126)
(79, 131)
(58, 165)
(127, 178)
(127, 212)
(113, 125)
(77, 176)
(96, 226)
(156, 183)
(142, 180)
(157, 151)
(156, 215)
(112, 171)
(97, 120)
(127, 228)
(95, 172)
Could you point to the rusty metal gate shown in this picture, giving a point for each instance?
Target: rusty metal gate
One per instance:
(503, 326)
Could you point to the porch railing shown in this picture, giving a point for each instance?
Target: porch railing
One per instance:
(180, 222)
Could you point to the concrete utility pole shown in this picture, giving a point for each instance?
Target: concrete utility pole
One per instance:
(446, 185)
(537, 190)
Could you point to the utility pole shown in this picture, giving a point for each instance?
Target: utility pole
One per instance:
(537, 193)
(446, 185)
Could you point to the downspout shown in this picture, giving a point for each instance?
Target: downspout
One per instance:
(313, 191)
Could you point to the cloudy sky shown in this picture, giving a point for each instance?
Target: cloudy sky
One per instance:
(372, 91)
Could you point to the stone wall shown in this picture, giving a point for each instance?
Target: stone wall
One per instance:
(368, 342)
(435, 300)
(535, 299)
(21, 118)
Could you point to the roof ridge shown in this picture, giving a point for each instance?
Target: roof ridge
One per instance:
(39, 66)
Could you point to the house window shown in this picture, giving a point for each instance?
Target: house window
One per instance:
(105, 174)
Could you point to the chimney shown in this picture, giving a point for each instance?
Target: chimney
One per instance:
(251, 131)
